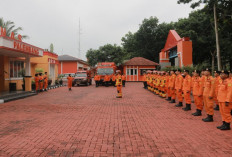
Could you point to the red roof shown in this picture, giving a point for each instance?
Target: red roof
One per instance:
(140, 61)
(172, 40)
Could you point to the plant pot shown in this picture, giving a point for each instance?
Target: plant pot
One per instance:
(23, 87)
(33, 86)
(49, 82)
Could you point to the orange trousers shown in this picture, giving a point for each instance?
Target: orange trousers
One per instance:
(215, 97)
(168, 92)
(119, 90)
(45, 84)
(36, 86)
(225, 111)
(198, 102)
(179, 95)
(173, 94)
(187, 97)
(208, 103)
(41, 85)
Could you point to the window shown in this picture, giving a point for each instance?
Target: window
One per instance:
(128, 72)
(131, 71)
(144, 70)
(17, 69)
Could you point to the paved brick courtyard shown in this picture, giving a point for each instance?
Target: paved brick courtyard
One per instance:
(90, 121)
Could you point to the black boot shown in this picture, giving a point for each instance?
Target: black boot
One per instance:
(179, 105)
(208, 119)
(187, 108)
(168, 99)
(173, 101)
(223, 123)
(231, 112)
(225, 127)
(197, 113)
(216, 108)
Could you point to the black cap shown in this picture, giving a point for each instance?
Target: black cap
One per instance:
(218, 72)
(225, 72)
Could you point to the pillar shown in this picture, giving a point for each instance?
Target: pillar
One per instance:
(2, 73)
(27, 77)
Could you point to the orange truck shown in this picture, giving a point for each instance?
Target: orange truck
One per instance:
(106, 68)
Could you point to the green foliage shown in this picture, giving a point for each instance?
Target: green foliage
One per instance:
(10, 27)
(106, 53)
(51, 48)
(39, 70)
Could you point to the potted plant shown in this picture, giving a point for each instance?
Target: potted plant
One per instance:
(33, 85)
(22, 74)
(60, 77)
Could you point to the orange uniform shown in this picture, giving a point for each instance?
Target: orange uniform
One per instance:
(209, 91)
(223, 91)
(119, 85)
(45, 81)
(97, 78)
(187, 85)
(178, 87)
(171, 86)
(70, 79)
(217, 80)
(36, 83)
(196, 83)
(166, 82)
(41, 82)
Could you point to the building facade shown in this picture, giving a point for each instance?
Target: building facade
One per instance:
(70, 64)
(176, 52)
(134, 68)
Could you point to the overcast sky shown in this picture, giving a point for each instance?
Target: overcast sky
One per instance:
(102, 21)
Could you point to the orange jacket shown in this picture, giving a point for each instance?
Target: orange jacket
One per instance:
(217, 80)
(113, 78)
(144, 78)
(166, 81)
(229, 91)
(209, 87)
(97, 78)
(196, 85)
(172, 80)
(222, 90)
(40, 79)
(187, 83)
(45, 78)
(36, 80)
(123, 77)
(106, 78)
(179, 82)
(202, 82)
(118, 80)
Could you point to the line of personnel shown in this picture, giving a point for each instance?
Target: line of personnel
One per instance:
(205, 89)
(41, 82)
(109, 79)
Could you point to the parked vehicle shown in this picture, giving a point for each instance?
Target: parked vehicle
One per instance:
(64, 77)
(82, 78)
(106, 68)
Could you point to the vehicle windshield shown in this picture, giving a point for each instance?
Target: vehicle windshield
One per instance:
(81, 75)
(105, 71)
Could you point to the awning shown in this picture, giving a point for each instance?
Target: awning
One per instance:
(15, 48)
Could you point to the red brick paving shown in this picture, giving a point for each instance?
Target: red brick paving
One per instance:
(90, 121)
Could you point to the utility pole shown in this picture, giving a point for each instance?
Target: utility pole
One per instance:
(79, 48)
(217, 38)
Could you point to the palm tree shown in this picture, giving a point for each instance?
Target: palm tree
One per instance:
(10, 27)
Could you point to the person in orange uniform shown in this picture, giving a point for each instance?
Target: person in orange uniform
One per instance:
(36, 82)
(107, 80)
(196, 88)
(171, 86)
(208, 94)
(178, 88)
(201, 87)
(144, 80)
(123, 80)
(224, 106)
(119, 84)
(167, 91)
(40, 82)
(70, 80)
(229, 96)
(217, 80)
(187, 85)
(97, 80)
(45, 81)
(113, 80)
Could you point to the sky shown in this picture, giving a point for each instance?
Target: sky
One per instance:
(102, 21)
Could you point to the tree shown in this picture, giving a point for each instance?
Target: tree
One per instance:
(213, 4)
(148, 40)
(106, 53)
(51, 48)
(10, 27)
